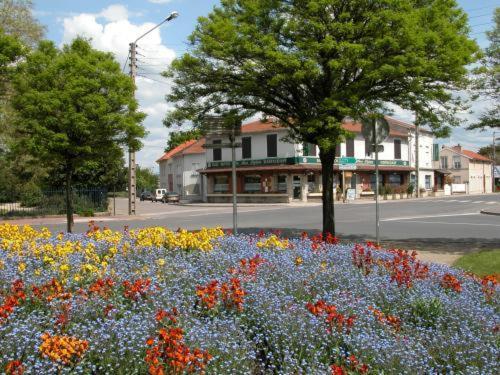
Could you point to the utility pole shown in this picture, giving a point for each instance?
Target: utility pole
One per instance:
(131, 153)
(417, 157)
(494, 162)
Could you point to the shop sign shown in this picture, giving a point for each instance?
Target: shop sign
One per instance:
(403, 163)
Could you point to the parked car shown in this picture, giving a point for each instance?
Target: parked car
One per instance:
(171, 197)
(159, 194)
(146, 196)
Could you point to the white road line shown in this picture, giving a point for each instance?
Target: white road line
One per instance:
(478, 201)
(491, 202)
(425, 216)
(446, 223)
(464, 201)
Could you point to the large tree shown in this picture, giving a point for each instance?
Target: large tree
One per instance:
(488, 83)
(181, 136)
(312, 63)
(16, 18)
(74, 106)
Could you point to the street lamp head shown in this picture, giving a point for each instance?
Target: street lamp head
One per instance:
(172, 15)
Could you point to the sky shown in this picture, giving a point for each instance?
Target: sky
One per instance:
(113, 24)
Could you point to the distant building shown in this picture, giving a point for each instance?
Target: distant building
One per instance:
(468, 168)
(179, 170)
(271, 169)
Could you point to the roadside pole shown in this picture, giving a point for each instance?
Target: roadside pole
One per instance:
(494, 145)
(417, 158)
(131, 153)
(377, 216)
(233, 172)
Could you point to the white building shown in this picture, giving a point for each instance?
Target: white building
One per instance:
(270, 169)
(179, 170)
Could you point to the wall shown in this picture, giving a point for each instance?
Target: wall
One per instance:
(479, 177)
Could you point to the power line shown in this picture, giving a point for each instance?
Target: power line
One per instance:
(152, 79)
(482, 24)
(124, 65)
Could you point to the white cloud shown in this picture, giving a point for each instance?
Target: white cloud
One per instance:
(160, 1)
(111, 30)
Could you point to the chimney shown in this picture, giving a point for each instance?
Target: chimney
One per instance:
(457, 148)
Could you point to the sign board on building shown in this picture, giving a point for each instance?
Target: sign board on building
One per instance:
(350, 194)
(343, 167)
(496, 171)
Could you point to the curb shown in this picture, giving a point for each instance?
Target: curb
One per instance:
(486, 212)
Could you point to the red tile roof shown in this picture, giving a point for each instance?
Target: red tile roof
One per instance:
(176, 150)
(195, 148)
(474, 155)
(355, 127)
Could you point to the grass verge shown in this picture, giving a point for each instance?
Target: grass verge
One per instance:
(485, 262)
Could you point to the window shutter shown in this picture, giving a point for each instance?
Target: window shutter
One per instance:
(349, 147)
(272, 145)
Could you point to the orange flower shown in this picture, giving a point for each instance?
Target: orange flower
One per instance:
(63, 349)
(14, 367)
(450, 282)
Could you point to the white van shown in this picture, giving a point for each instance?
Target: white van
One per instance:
(159, 194)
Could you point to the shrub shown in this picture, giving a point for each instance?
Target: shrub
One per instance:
(31, 195)
(425, 312)
(410, 188)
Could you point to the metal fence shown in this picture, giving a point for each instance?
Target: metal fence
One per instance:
(86, 202)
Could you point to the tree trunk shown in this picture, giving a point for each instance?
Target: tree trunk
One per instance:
(327, 160)
(69, 203)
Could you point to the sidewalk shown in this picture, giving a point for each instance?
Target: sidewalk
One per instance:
(491, 211)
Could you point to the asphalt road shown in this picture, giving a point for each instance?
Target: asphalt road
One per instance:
(442, 222)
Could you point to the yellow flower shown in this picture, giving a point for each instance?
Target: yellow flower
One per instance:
(323, 265)
(298, 261)
(64, 267)
(160, 262)
(21, 267)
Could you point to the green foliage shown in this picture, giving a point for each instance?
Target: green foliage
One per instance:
(488, 83)
(146, 179)
(425, 312)
(16, 18)
(410, 189)
(74, 106)
(181, 136)
(31, 195)
(488, 152)
(311, 64)
(486, 262)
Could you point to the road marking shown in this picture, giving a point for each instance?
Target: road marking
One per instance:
(491, 202)
(446, 223)
(478, 201)
(464, 201)
(425, 216)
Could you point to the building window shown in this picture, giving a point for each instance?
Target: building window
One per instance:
(394, 179)
(457, 179)
(251, 184)
(217, 151)
(195, 166)
(444, 162)
(456, 162)
(349, 143)
(311, 183)
(272, 145)
(368, 147)
(337, 150)
(246, 147)
(397, 149)
(428, 181)
(221, 184)
(309, 149)
(282, 183)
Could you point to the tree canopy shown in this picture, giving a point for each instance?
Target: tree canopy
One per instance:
(75, 106)
(311, 64)
(179, 137)
(489, 81)
(16, 18)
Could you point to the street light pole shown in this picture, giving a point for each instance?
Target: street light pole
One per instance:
(494, 162)
(131, 153)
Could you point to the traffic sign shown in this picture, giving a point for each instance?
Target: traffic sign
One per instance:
(347, 160)
(348, 167)
(368, 129)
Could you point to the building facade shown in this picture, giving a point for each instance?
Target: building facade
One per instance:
(467, 168)
(271, 169)
(179, 170)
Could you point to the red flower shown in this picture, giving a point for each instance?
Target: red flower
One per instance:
(14, 367)
(450, 282)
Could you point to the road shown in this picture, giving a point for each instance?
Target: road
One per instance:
(442, 222)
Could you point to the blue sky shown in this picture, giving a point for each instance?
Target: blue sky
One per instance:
(114, 24)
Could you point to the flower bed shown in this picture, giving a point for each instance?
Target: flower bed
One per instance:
(168, 302)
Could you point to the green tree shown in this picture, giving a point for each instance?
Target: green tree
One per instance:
(488, 152)
(181, 136)
(311, 64)
(488, 83)
(16, 18)
(74, 105)
(146, 179)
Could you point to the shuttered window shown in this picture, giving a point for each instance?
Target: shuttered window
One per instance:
(368, 147)
(272, 145)
(246, 147)
(397, 149)
(217, 151)
(349, 148)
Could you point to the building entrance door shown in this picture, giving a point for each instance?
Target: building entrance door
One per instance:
(296, 187)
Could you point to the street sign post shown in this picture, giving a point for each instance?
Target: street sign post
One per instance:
(222, 127)
(376, 131)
